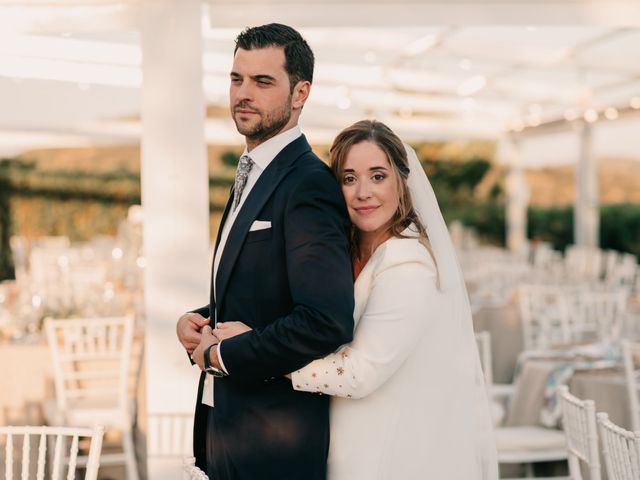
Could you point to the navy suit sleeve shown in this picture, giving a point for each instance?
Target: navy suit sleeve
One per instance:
(321, 285)
(203, 311)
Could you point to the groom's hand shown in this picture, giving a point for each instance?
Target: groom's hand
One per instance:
(229, 329)
(206, 339)
(188, 330)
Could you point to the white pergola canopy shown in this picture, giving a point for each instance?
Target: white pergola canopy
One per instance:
(70, 71)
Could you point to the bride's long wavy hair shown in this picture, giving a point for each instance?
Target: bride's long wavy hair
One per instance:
(392, 146)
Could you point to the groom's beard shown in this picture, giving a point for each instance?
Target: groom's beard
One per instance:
(268, 125)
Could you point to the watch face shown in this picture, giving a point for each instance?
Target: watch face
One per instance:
(215, 372)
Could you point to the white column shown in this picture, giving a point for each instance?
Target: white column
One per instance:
(517, 196)
(587, 207)
(175, 200)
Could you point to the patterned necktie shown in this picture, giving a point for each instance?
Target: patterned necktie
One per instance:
(242, 173)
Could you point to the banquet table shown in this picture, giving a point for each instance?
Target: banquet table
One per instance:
(605, 387)
(608, 390)
(26, 382)
(505, 327)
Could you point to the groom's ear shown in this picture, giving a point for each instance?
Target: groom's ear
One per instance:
(300, 94)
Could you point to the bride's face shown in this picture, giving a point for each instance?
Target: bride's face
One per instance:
(369, 186)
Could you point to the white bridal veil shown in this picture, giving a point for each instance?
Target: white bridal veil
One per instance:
(461, 371)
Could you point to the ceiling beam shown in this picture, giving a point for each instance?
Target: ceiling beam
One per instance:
(313, 13)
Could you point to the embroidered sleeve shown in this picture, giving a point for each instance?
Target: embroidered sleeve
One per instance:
(393, 323)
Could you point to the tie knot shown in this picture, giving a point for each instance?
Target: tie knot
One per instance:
(242, 173)
(245, 163)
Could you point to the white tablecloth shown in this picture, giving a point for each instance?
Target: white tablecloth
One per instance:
(606, 388)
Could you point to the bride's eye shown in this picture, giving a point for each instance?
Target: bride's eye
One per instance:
(348, 179)
(378, 177)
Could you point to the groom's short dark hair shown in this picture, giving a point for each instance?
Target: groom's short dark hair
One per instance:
(298, 56)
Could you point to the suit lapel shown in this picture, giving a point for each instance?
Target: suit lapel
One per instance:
(225, 215)
(275, 172)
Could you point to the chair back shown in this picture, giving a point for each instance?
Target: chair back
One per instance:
(483, 341)
(20, 456)
(630, 357)
(621, 269)
(597, 315)
(545, 316)
(620, 450)
(581, 432)
(584, 263)
(91, 359)
(169, 434)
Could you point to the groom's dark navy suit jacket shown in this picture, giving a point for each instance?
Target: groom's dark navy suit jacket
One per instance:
(292, 284)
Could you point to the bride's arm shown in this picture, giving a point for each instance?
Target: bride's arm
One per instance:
(403, 300)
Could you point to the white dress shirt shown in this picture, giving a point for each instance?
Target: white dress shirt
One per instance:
(262, 156)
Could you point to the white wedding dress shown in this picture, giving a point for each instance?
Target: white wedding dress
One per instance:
(409, 400)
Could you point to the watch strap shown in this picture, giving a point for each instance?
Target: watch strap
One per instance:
(216, 372)
(207, 356)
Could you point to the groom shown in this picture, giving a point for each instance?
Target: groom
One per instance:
(282, 266)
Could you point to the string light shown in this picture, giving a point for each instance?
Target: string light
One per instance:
(611, 113)
(570, 115)
(590, 115)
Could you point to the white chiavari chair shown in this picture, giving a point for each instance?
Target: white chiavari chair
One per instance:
(584, 263)
(191, 471)
(596, 314)
(61, 455)
(528, 445)
(545, 316)
(91, 366)
(49, 259)
(620, 450)
(609, 263)
(621, 270)
(517, 444)
(581, 432)
(483, 341)
(169, 442)
(499, 393)
(630, 357)
(170, 435)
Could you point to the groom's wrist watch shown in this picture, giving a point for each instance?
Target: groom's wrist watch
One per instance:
(210, 369)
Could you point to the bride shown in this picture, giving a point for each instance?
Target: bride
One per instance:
(408, 395)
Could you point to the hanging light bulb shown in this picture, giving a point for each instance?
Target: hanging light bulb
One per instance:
(590, 115)
(611, 113)
(517, 125)
(570, 115)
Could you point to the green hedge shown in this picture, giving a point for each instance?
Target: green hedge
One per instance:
(77, 203)
(619, 224)
(486, 218)
(620, 227)
(6, 264)
(81, 204)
